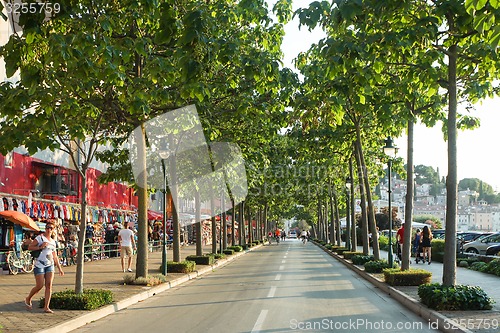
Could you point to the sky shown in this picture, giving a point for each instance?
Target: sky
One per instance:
(476, 153)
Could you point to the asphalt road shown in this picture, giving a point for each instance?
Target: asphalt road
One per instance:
(278, 288)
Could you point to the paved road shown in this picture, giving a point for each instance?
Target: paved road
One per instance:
(279, 288)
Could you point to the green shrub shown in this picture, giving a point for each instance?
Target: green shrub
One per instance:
(180, 267)
(469, 261)
(453, 298)
(361, 259)
(478, 266)
(151, 280)
(218, 255)
(411, 277)
(383, 242)
(341, 250)
(349, 254)
(376, 266)
(236, 248)
(329, 246)
(90, 299)
(437, 245)
(207, 259)
(493, 267)
(463, 263)
(229, 252)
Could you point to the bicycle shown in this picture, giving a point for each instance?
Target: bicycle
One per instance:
(22, 262)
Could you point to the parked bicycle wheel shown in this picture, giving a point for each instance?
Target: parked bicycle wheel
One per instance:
(13, 262)
(27, 261)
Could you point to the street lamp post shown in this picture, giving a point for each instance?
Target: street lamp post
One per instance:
(390, 151)
(348, 182)
(164, 155)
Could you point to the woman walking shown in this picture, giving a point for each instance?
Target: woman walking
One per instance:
(44, 266)
(426, 239)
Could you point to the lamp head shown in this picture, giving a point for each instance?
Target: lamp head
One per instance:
(389, 148)
(348, 182)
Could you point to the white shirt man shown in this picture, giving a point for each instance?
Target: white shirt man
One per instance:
(127, 243)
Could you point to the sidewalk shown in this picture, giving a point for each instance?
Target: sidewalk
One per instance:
(487, 321)
(100, 274)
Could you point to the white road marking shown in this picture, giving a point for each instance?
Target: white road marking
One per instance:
(278, 277)
(283, 261)
(260, 321)
(271, 292)
(282, 268)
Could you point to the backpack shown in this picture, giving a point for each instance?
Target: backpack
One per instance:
(36, 253)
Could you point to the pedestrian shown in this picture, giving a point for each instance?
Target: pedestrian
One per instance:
(417, 246)
(270, 236)
(277, 234)
(426, 239)
(304, 236)
(400, 239)
(109, 239)
(44, 266)
(127, 244)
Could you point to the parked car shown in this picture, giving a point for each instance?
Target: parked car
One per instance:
(481, 244)
(470, 236)
(493, 250)
(438, 233)
(386, 234)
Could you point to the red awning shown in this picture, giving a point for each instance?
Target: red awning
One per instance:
(152, 215)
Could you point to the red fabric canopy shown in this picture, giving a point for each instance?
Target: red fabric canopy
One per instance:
(152, 215)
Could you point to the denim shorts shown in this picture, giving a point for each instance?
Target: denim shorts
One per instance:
(43, 270)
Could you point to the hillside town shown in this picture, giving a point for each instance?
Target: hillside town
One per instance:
(473, 214)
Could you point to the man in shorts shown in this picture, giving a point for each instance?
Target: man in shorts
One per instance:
(127, 244)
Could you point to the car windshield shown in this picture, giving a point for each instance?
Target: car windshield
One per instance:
(483, 237)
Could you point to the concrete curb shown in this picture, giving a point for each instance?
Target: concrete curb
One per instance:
(83, 320)
(444, 324)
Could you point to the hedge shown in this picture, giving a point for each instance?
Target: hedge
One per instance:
(411, 277)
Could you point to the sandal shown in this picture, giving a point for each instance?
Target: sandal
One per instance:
(48, 311)
(29, 307)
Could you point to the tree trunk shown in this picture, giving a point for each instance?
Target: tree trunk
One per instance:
(449, 261)
(250, 228)
(371, 211)
(348, 223)
(407, 244)
(332, 216)
(233, 224)
(141, 265)
(214, 225)
(364, 214)
(266, 210)
(354, 236)
(337, 219)
(199, 229)
(241, 224)
(81, 234)
(320, 220)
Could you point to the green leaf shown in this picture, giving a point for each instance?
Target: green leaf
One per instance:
(494, 36)
(361, 98)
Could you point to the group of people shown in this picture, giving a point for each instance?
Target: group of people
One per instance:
(421, 243)
(47, 260)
